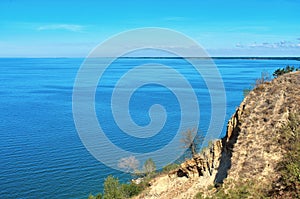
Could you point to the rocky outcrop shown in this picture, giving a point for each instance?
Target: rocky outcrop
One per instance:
(204, 164)
(248, 151)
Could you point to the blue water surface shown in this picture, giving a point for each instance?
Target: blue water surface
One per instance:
(41, 154)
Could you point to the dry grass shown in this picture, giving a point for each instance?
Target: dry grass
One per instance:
(259, 165)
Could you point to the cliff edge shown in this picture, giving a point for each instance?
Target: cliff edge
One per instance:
(250, 151)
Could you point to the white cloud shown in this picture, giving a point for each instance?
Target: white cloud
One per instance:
(280, 44)
(68, 27)
(239, 45)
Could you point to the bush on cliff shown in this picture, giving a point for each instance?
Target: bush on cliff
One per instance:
(281, 71)
(114, 189)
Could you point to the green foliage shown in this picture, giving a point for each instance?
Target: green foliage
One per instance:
(281, 71)
(112, 188)
(265, 77)
(98, 196)
(91, 196)
(129, 190)
(289, 168)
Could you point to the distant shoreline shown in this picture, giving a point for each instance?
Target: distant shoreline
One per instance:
(244, 58)
(250, 58)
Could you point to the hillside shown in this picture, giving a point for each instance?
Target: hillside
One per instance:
(248, 156)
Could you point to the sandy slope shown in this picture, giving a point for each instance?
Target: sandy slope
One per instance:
(249, 149)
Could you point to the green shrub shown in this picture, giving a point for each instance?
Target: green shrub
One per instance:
(129, 190)
(112, 188)
(98, 196)
(281, 71)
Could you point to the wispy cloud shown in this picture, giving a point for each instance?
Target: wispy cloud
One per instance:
(67, 27)
(281, 44)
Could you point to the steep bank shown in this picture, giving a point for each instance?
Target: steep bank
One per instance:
(249, 151)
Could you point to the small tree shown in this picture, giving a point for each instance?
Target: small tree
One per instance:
(149, 166)
(191, 140)
(112, 188)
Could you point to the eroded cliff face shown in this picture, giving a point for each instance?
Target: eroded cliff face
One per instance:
(204, 164)
(252, 144)
(198, 172)
(249, 149)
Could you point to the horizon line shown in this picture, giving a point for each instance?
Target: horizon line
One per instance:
(168, 57)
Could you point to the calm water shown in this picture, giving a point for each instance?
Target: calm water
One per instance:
(41, 155)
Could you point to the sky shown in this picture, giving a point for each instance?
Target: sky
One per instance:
(61, 28)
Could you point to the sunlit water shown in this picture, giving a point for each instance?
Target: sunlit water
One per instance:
(41, 154)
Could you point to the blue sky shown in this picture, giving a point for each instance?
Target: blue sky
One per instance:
(61, 28)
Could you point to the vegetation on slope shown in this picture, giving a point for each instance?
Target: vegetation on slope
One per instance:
(116, 190)
(288, 185)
